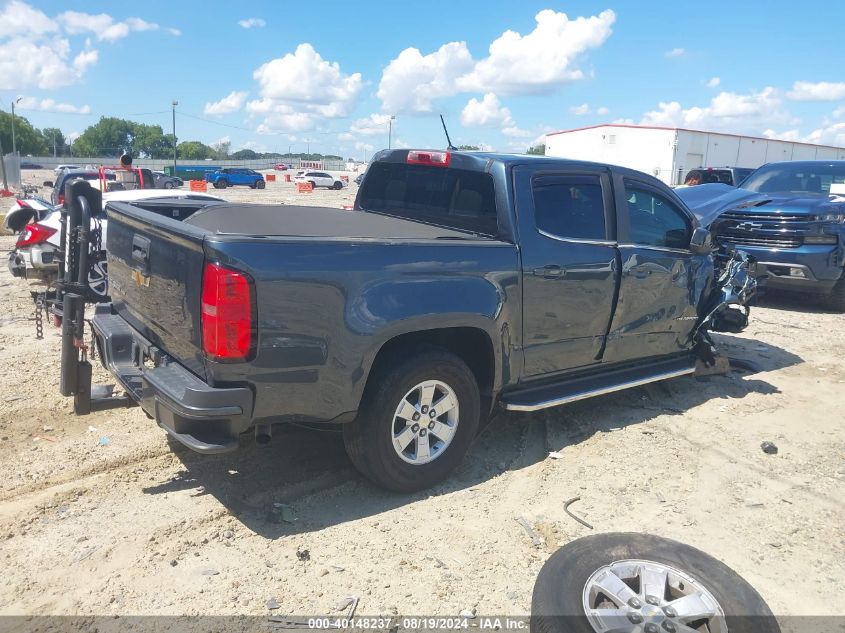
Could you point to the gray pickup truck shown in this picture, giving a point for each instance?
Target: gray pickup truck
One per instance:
(459, 282)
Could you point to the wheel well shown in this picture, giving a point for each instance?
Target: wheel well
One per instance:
(471, 345)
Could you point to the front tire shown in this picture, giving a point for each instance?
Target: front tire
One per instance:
(313, 186)
(337, 185)
(836, 298)
(632, 581)
(399, 440)
(169, 184)
(221, 184)
(260, 184)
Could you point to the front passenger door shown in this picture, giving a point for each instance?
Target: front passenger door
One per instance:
(660, 281)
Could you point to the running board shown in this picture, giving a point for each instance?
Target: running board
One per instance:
(595, 384)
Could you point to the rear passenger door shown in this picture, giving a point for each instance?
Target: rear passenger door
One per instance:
(659, 286)
(567, 232)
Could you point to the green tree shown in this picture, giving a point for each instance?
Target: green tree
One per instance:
(194, 150)
(28, 140)
(54, 139)
(537, 149)
(246, 154)
(221, 149)
(151, 142)
(469, 148)
(110, 136)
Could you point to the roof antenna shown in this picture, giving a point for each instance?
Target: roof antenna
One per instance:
(449, 145)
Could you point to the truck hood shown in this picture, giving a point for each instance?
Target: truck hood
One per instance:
(708, 202)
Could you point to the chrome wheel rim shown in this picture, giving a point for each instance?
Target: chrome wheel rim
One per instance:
(425, 422)
(650, 597)
(98, 279)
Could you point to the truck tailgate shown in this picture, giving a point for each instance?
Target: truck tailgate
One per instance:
(155, 278)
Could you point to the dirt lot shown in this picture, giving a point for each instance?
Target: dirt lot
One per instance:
(100, 516)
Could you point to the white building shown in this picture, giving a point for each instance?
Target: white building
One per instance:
(669, 153)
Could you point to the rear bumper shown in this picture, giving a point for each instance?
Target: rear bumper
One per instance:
(203, 418)
(808, 268)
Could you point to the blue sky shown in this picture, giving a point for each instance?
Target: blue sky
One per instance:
(273, 76)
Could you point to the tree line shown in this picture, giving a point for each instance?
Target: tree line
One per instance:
(111, 136)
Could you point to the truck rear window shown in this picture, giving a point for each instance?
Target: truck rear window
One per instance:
(454, 198)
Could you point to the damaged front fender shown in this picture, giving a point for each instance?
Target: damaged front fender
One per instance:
(725, 308)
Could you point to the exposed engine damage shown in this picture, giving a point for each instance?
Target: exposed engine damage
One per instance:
(726, 309)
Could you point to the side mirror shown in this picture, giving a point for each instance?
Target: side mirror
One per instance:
(48, 183)
(701, 242)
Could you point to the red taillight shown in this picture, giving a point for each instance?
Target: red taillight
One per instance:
(438, 159)
(61, 198)
(227, 316)
(33, 234)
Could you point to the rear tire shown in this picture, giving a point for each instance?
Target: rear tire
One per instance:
(221, 184)
(368, 438)
(559, 592)
(313, 186)
(836, 298)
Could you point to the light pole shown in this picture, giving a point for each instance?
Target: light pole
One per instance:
(390, 130)
(174, 104)
(14, 146)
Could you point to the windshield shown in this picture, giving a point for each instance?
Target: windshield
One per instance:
(805, 178)
(455, 198)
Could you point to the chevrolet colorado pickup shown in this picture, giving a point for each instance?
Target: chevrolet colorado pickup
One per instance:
(791, 217)
(458, 282)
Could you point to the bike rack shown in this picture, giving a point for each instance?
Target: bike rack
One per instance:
(71, 290)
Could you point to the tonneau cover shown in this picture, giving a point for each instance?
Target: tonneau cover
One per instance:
(295, 221)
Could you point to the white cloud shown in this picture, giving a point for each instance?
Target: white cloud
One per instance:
(28, 63)
(301, 88)
(413, 81)
(35, 53)
(174, 32)
(252, 22)
(833, 134)
(675, 52)
(544, 58)
(18, 19)
(345, 137)
(261, 148)
(836, 114)
(372, 125)
(366, 147)
(102, 25)
(580, 110)
(603, 110)
(727, 111)
(49, 105)
(232, 102)
(73, 136)
(820, 91)
(713, 82)
(488, 112)
(534, 63)
(516, 132)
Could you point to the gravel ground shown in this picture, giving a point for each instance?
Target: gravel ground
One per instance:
(100, 515)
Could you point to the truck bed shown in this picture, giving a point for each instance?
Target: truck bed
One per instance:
(321, 222)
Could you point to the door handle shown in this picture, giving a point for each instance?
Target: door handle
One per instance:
(549, 271)
(141, 253)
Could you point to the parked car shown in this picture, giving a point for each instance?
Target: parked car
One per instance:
(65, 167)
(163, 181)
(409, 318)
(732, 176)
(280, 167)
(31, 166)
(231, 176)
(320, 179)
(359, 179)
(34, 256)
(791, 217)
